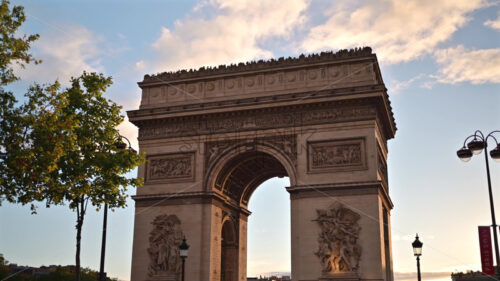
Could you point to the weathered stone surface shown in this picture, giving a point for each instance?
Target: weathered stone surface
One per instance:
(212, 136)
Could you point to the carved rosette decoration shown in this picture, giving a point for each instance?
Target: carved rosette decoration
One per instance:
(164, 241)
(338, 249)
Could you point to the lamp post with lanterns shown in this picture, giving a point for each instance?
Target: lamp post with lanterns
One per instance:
(120, 145)
(183, 252)
(473, 147)
(417, 251)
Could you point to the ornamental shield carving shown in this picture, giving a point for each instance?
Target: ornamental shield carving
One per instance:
(338, 248)
(164, 241)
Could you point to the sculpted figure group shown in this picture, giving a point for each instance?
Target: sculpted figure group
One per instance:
(170, 168)
(164, 241)
(338, 248)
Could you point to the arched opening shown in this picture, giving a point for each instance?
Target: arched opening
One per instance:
(269, 226)
(238, 174)
(241, 175)
(229, 252)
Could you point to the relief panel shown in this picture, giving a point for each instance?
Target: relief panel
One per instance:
(164, 241)
(338, 247)
(176, 167)
(336, 155)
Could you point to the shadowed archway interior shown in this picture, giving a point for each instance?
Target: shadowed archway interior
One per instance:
(229, 252)
(242, 174)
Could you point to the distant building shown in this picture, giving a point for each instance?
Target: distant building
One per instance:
(470, 276)
(270, 278)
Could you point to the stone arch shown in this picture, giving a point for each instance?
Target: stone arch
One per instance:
(237, 161)
(202, 129)
(229, 250)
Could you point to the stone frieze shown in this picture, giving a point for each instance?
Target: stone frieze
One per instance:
(336, 155)
(331, 76)
(247, 121)
(170, 167)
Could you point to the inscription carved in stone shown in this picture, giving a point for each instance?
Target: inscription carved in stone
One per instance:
(338, 249)
(170, 167)
(164, 241)
(336, 155)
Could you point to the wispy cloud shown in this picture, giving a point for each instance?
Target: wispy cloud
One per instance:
(398, 30)
(460, 64)
(65, 53)
(495, 24)
(396, 87)
(231, 32)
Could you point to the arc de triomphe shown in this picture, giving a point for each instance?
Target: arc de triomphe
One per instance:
(213, 135)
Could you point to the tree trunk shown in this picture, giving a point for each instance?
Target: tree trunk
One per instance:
(80, 213)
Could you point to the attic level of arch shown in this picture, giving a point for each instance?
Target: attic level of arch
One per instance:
(308, 96)
(261, 65)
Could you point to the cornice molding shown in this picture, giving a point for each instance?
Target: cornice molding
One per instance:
(340, 189)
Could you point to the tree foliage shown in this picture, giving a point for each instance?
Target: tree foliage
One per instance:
(60, 145)
(13, 49)
(63, 146)
(35, 136)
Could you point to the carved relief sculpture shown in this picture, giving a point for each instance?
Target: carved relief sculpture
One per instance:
(248, 121)
(338, 249)
(164, 241)
(336, 155)
(170, 167)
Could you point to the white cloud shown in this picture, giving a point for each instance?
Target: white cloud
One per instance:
(495, 24)
(395, 87)
(140, 65)
(398, 30)
(232, 33)
(65, 53)
(463, 65)
(129, 130)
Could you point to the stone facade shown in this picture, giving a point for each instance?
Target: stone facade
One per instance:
(213, 135)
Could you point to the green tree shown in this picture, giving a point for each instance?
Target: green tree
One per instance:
(13, 49)
(68, 150)
(4, 267)
(92, 167)
(61, 145)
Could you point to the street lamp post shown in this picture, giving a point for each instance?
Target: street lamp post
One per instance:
(417, 251)
(475, 147)
(102, 277)
(183, 252)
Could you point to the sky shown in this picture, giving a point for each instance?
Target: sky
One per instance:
(440, 61)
